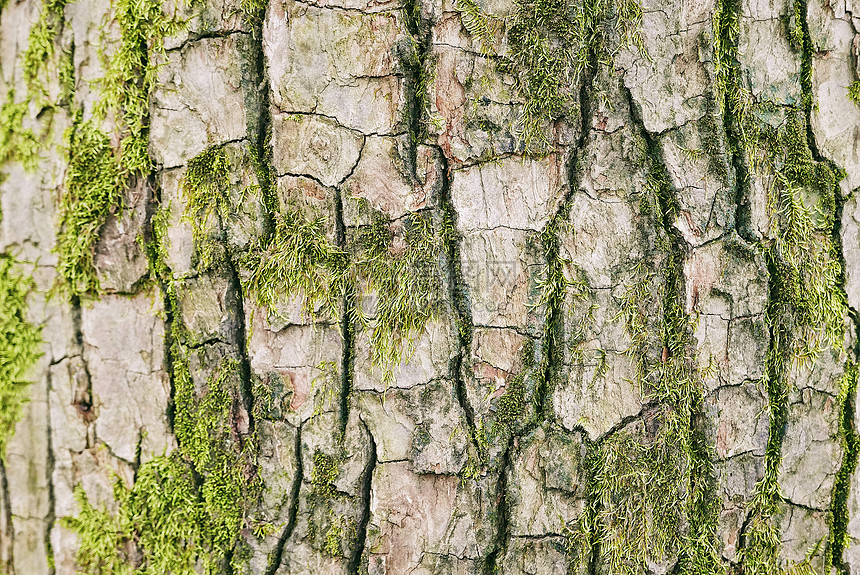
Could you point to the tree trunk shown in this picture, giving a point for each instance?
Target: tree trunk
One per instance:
(469, 287)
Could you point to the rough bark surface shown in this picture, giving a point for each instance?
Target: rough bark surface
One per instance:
(430, 286)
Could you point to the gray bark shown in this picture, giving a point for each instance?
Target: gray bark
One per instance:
(629, 356)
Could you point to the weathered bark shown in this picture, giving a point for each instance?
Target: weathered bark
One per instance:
(441, 287)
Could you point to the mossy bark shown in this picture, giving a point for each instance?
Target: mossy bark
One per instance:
(472, 287)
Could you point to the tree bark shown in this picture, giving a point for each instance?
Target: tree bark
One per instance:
(470, 287)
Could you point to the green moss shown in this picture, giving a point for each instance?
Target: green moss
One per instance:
(300, 261)
(323, 475)
(20, 344)
(253, 7)
(66, 73)
(17, 144)
(648, 485)
(651, 490)
(854, 91)
(92, 189)
(419, 65)
(850, 440)
(806, 303)
(481, 26)
(131, 73)
(404, 275)
(552, 44)
(206, 187)
(40, 51)
(98, 172)
(400, 276)
(334, 538)
(512, 405)
(640, 486)
(184, 510)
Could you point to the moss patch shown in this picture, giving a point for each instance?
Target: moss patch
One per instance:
(851, 449)
(184, 510)
(92, 189)
(205, 186)
(39, 55)
(806, 303)
(20, 344)
(551, 46)
(402, 270)
(397, 270)
(17, 144)
(854, 91)
(323, 475)
(300, 261)
(131, 73)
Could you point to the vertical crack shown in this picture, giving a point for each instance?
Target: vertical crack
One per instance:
(276, 556)
(700, 507)
(727, 24)
(354, 565)
(51, 517)
(8, 542)
(850, 439)
(347, 323)
(83, 400)
(457, 294)
(242, 343)
(491, 566)
(839, 508)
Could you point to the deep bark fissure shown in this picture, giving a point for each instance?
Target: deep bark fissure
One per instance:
(459, 304)
(354, 565)
(502, 511)
(50, 465)
(701, 487)
(8, 544)
(728, 15)
(276, 556)
(347, 324)
(839, 509)
(84, 403)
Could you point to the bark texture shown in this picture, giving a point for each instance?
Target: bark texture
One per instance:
(458, 287)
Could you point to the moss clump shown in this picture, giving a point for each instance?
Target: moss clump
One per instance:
(334, 538)
(184, 510)
(323, 475)
(20, 343)
(131, 73)
(854, 91)
(481, 26)
(397, 272)
(205, 186)
(40, 51)
(652, 484)
(401, 269)
(300, 261)
(806, 303)
(92, 189)
(639, 484)
(98, 172)
(17, 144)
(772, 142)
(851, 449)
(254, 7)
(512, 405)
(552, 44)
